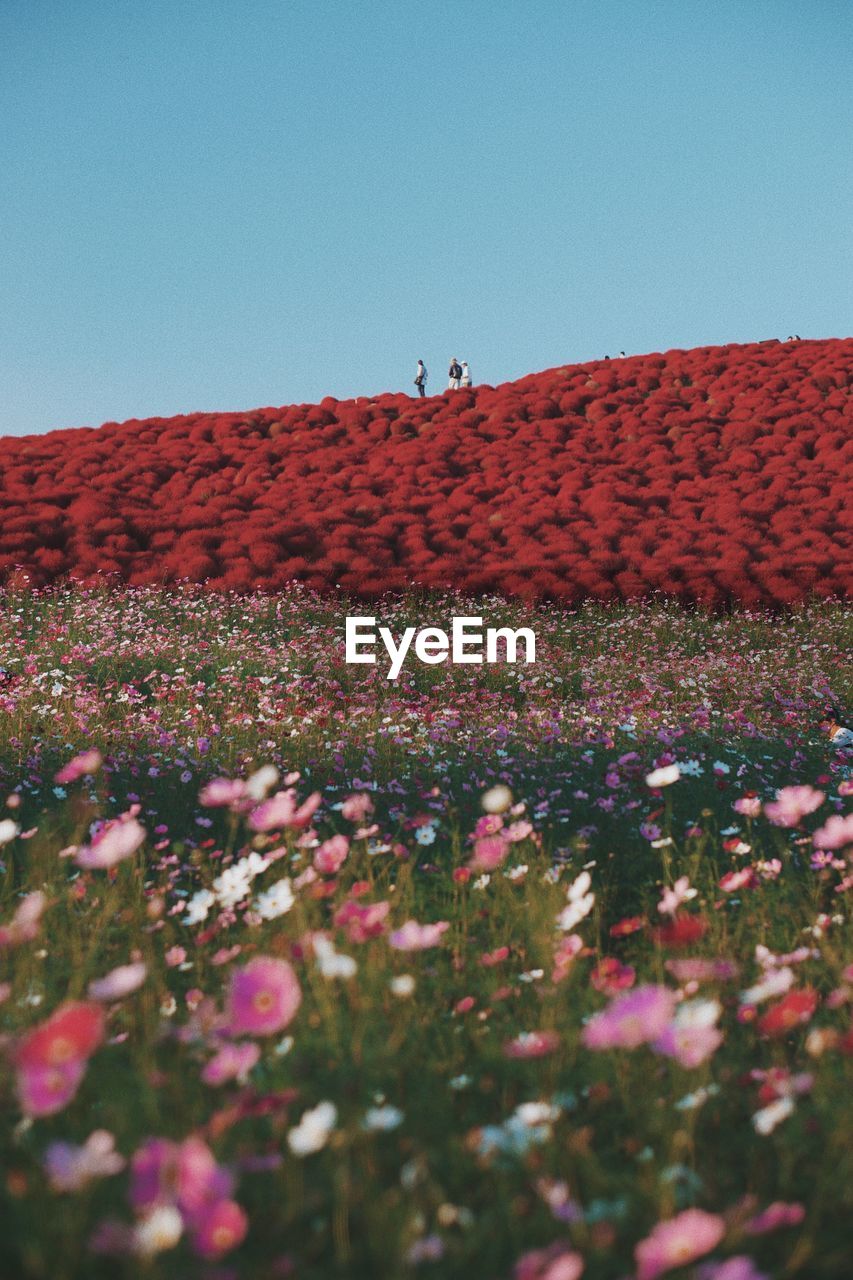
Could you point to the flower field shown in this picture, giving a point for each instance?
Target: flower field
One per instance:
(517, 972)
(712, 475)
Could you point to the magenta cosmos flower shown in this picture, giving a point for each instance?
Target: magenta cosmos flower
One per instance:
(792, 804)
(262, 998)
(677, 1242)
(631, 1019)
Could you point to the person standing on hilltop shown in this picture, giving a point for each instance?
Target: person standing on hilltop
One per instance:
(466, 374)
(454, 375)
(420, 378)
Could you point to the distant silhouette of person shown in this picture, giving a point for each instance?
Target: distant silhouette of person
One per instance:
(454, 374)
(421, 378)
(837, 733)
(465, 380)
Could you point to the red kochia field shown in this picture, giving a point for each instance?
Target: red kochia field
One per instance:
(714, 475)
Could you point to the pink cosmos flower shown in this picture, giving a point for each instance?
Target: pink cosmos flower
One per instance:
(175, 956)
(836, 832)
(518, 831)
(489, 853)
(24, 925)
(86, 762)
(51, 1059)
(181, 1173)
(739, 1267)
(232, 1062)
(671, 899)
(331, 855)
(417, 937)
(748, 806)
(218, 1228)
(692, 1036)
(357, 807)
(564, 956)
(677, 1242)
(792, 804)
(72, 1033)
(778, 1214)
(698, 969)
(611, 976)
(532, 1044)
(282, 810)
(558, 1261)
(636, 1018)
(744, 878)
(121, 982)
(119, 840)
(71, 1168)
(361, 921)
(263, 997)
(44, 1090)
(221, 792)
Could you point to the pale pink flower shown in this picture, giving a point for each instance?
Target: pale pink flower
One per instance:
(699, 969)
(836, 833)
(518, 831)
(748, 806)
(175, 956)
(86, 762)
(732, 881)
(282, 810)
(532, 1044)
(119, 840)
(632, 1019)
(693, 1035)
(357, 807)
(71, 1168)
(331, 855)
(417, 937)
(119, 983)
(671, 899)
(792, 804)
(677, 1242)
(24, 925)
(221, 792)
(558, 1261)
(232, 1062)
(739, 1267)
(263, 997)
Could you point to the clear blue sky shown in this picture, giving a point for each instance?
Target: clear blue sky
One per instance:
(221, 204)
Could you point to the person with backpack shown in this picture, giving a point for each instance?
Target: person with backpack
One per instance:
(466, 374)
(454, 375)
(421, 378)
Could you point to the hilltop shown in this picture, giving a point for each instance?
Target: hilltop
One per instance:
(719, 474)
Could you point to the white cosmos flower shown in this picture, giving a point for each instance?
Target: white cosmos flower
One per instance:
(199, 906)
(8, 830)
(276, 900)
(663, 777)
(312, 1132)
(381, 1119)
(330, 962)
(159, 1230)
(766, 1120)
